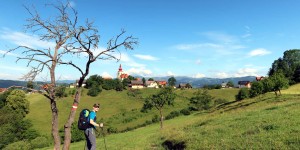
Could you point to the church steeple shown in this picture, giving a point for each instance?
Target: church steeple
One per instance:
(120, 68)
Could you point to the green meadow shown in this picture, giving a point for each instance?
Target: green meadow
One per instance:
(264, 122)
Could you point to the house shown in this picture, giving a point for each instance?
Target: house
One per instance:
(184, 85)
(3, 90)
(162, 83)
(224, 85)
(137, 84)
(259, 78)
(244, 84)
(151, 84)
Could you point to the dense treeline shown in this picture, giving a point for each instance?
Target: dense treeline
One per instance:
(284, 71)
(16, 131)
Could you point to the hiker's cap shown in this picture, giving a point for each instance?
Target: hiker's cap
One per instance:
(96, 105)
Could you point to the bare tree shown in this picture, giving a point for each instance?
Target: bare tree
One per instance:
(70, 40)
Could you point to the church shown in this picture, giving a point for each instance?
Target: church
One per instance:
(121, 74)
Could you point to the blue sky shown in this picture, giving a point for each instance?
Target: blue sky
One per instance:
(195, 38)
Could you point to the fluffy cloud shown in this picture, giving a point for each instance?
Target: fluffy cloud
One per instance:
(199, 75)
(221, 75)
(169, 73)
(259, 52)
(106, 75)
(246, 72)
(145, 57)
(139, 71)
(22, 39)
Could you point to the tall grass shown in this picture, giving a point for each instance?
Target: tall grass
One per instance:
(264, 122)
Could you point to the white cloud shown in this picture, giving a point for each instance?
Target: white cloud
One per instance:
(8, 76)
(195, 46)
(221, 75)
(199, 75)
(139, 71)
(259, 52)
(198, 62)
(246, 35)
(145, 57)
(169, 73)
(14, 68)
(246, 72)
(125, 59)
(22, 39)
(106, 75)
(2, 52)
(220, 37)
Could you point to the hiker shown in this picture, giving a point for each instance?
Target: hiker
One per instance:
(90, 131)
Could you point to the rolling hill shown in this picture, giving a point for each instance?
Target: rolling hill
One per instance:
(264, 122)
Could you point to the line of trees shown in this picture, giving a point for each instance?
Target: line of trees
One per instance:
(16, 131)
(284, 72)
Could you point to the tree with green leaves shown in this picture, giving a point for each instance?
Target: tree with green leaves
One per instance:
(17, 101)
(288, 64)
(242, 94)
(230, 84)
(268, 85)
(201, 100)
(150, 79)
(61, 91)
(256, 89)
(94, 79)
(165, 97)
(30, 85)
(280, 82)
(144, 81)
(172, 81)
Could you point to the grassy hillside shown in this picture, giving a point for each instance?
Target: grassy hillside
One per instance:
(265, 122)
(118, 110)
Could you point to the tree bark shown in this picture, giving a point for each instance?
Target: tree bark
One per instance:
(68, 125)
(161, 118)
(55, 131)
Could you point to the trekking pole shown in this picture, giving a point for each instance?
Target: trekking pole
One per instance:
(104, 138)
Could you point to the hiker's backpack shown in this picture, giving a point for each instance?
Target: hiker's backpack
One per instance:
(83, 121)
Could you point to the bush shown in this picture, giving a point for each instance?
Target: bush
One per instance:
(39, 142)
(202, 100)
(155, 119)
(173, 114)
(77, 135)
(94, 90)
(112, 130)
(134, 92)
(243, 94)
(20, 145)
(185, 111)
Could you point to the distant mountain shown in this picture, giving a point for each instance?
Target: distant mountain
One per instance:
(200, 82)
(195, 82)
(8, 83)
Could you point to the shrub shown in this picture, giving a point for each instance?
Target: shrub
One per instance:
(94, 90)
(77, 135)
(155, 119)
(20, 145)
(39, 142)
(185, 111)
(243, 94)
(173, 114)
(202, 100)
(112, 130)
